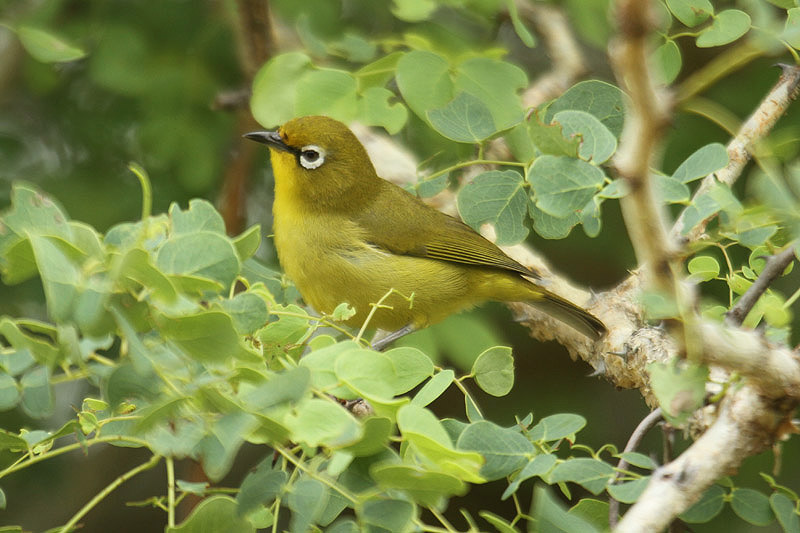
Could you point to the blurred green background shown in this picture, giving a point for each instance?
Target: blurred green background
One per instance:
(149, 91)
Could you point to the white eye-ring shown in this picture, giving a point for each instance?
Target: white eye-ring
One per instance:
(312, 156)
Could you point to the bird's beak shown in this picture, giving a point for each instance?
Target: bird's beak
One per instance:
(270, 138)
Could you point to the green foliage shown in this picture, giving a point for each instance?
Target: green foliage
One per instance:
(189, 348)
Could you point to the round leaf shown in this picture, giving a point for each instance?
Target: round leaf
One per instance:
(494, 370)
(728, 26)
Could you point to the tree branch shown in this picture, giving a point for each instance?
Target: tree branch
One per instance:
(740, 148)
(562, 47)
(647, 423)
(747, 424)
(774, 267)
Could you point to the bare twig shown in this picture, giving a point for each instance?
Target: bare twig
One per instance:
(647, 423)
(774, 267)
(256, 44)
(760, 123)
(747, 424)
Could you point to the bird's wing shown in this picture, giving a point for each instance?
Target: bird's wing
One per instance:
(406, 226)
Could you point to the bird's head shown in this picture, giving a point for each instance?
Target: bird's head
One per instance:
(318, 157)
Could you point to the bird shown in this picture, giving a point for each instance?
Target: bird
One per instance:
(344, 234)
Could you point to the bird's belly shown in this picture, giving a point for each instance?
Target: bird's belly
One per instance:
(410, 290)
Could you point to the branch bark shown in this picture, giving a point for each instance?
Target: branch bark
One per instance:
(740, 148)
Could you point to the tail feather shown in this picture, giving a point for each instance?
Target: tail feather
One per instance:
(570, 314)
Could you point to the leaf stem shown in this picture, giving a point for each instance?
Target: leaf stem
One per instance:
(170, 492)
(464, 164)
(108, 490)
(147, 189)
(65, 449)
(325, 481)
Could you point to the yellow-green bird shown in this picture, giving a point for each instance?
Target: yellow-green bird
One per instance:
(344, 234)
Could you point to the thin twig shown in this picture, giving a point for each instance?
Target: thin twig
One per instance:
(740, 148)
(638, 434)
(776, 264)
(108, 490)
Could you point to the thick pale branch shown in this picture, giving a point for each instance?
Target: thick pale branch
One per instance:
(760, 123)
(747, 424)
(774, 370)
(645, 121)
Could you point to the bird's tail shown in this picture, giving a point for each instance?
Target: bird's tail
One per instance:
(570, 314)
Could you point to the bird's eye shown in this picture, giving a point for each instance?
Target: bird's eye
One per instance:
(311, 157)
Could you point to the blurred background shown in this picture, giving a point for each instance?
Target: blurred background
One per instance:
(165, 84)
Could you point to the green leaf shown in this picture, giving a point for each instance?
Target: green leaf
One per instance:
(247, 242)
(59, 270)
(496, 83)
(283, 387)
(701, 163)
(410, 368)
(551, 227)
(679, 388)
(520, 29)
(499, 197)
(784, 510)
(597, 144)
(379, 72)
(214, 514)
(628, 491)
(275, 88)
(593, 511)
(703, 268)
(307, 500)
(413, 10)
(591, 474)
(501, 525)
(327, 92)
(247, 310)
(37, 393)
(425, 487)
(368, 374)
(386, 515)
(377, 430)
(671, 190)
(550, 139)
(434, 388)
(208, 336)
(200, 216)
(791, 31)
(47, 47)
(464, 119)
(538, 466)
(564, 185)
(376, 109)
(598, 98)
(203, 254)
(727, 26)
(494, 370)
(424, 81)
(752, 506)
(505, 450)
(637, 459)
(668, 62)
(690, 12)
(552, 518)
(556, 427)
(316, 422)
(9, 392)
(421, 429)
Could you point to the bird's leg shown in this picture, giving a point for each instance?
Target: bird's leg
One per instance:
(390, 337)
